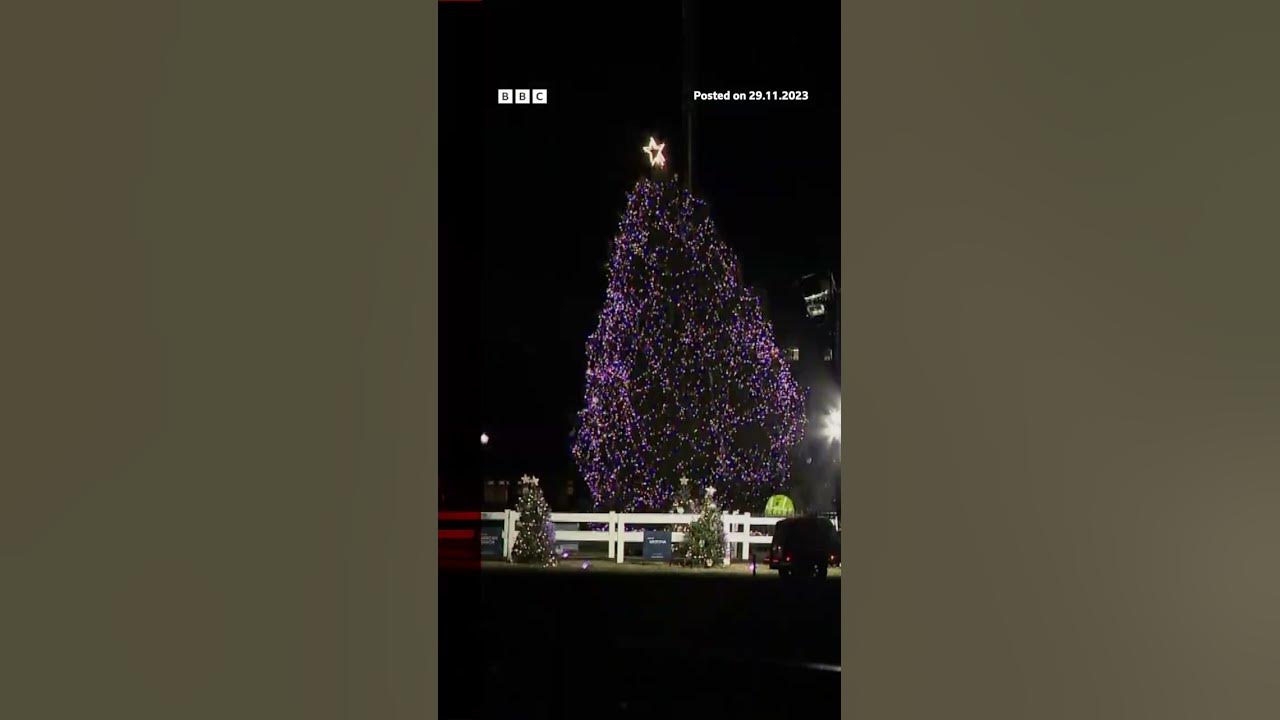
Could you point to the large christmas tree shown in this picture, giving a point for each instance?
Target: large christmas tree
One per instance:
(684, 377)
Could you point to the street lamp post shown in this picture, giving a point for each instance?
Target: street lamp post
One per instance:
(484, 467)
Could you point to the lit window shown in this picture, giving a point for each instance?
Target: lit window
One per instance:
(793, 354)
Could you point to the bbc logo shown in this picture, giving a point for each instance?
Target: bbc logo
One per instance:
(522, 97)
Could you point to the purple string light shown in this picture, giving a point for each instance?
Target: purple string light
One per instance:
(684, 377)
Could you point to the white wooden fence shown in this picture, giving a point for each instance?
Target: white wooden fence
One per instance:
(737, 528)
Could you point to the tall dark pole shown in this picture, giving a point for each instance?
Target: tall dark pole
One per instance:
(687, 16)
(835, 304)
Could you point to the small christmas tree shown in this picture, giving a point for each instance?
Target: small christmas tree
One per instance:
(535, 533)
(706, 544)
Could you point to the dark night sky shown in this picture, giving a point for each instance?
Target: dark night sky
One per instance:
(536, 190)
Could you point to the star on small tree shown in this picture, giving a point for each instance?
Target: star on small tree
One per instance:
(535, 533)
(684, 502)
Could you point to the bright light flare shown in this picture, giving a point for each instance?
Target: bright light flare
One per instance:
(484, 439)
(831, 424)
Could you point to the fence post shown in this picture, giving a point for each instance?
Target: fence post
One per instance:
(613, 530)
(507, 526)
(620, 529)
(727, 521)
(746, 540)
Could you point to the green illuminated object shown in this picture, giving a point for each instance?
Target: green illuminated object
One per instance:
(779, 506)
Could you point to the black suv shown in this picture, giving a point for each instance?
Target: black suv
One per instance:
(804, 546)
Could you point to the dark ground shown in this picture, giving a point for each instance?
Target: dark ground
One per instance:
(569, 645)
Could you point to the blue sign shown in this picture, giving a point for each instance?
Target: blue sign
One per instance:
(657, 545)
(491, 541)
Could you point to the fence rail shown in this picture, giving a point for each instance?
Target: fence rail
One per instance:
(737, 528)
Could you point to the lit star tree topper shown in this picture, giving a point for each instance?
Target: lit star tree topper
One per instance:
(654, 151)
(684, 376)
